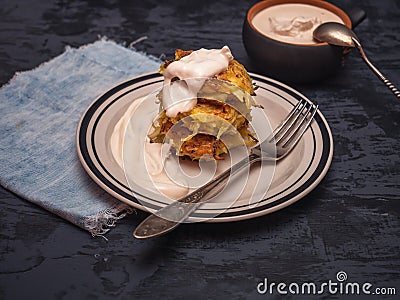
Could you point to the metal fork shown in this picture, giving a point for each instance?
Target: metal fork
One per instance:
(281, 141)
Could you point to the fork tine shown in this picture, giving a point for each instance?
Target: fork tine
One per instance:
(295, 126)
(295, 133)
(283, 123)
(279, 136)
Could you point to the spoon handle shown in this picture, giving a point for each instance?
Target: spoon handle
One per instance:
(390, 85)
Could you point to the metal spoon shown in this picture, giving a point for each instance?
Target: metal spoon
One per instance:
(340, 35)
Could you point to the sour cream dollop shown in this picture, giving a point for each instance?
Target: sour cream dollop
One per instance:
(192, 70)
(293, 22)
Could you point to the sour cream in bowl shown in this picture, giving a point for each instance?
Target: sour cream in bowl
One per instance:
(277, 35)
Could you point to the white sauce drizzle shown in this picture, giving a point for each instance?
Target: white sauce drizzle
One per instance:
(152, 156)
(118, 134)
(181, 96)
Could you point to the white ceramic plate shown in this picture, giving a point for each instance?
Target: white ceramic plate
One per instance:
(294, 177)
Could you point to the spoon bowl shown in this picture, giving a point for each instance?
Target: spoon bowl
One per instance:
(340, 35)
(335, 34)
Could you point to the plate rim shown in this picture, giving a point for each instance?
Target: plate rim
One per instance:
(130, 199)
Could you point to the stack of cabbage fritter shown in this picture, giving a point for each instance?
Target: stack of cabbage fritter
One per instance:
(222, 113)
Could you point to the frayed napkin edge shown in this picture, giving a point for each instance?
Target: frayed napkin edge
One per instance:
(101, 223)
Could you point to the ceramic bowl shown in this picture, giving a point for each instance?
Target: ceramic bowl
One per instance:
(290, 62)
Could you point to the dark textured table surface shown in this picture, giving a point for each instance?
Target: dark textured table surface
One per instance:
(349, 223)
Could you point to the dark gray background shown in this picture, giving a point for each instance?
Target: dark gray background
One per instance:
(350, 222)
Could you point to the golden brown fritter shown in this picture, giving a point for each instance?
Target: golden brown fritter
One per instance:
(202, 145)
(196, 144)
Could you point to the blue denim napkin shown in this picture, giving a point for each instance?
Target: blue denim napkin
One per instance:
(40, 110)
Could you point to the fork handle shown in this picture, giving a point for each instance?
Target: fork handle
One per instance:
(170, 216)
